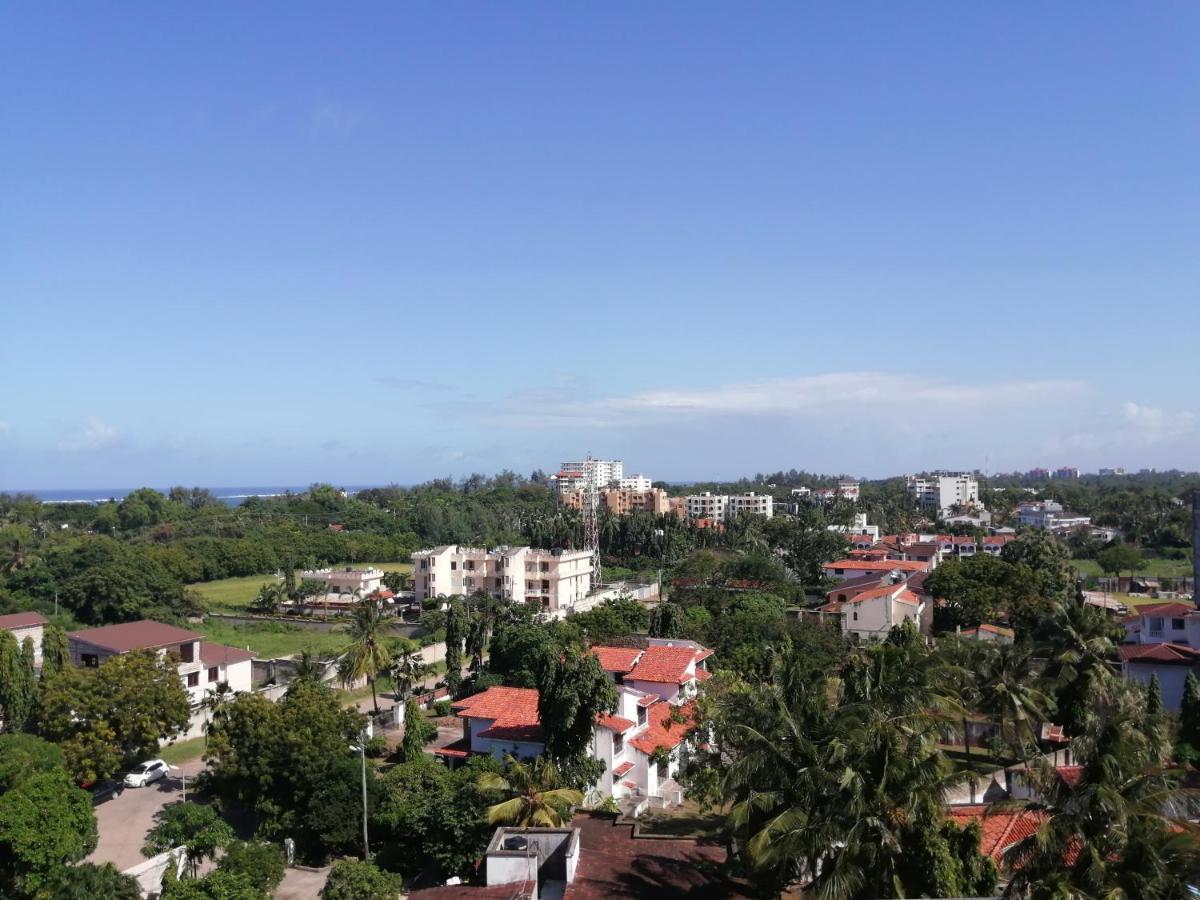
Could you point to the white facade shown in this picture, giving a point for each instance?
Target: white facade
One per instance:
(1049, 516)
(553, 579)
(572, 476)
(872, 614)
(944, 490)
(721, 507)
(27, 625)
(348, 580)
(638, 483)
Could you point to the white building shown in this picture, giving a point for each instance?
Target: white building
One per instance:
(572, 476)
(553, 579)
(721, 507)
(27, 625)
(640, 484)
(655, 685)
(942, 491)
(347, 581)
(1049, 515)
(860, 528)
(871, 614)
(202, 666)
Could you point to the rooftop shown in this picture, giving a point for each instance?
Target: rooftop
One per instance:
(21, 620)
(513, 711)
(145, 634)
(663, 731)
(220, 655)
(1170, 654)
(663, 665)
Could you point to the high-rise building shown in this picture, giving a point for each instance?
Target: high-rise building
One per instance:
(572, 476)
(945, 490)
(1066, 472)
(553, 579)
(720, 507)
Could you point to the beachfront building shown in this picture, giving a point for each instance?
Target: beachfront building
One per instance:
(552, 579)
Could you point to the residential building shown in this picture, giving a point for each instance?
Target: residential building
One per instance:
(1049, 515)
(722, 507)
(996, 634)
(1066, 472)
(871, 614)
(1038, 475)
(945, 491)
(349, 580)
(552, 579)
(1170, 662)
(848, 490)
(655, 686)
(622, 501)
(572, 476)
(639, 484)
(858, 529)
(843, 569)
(202, 665)
(1163, 623)
(1111, 472)
(27, 625)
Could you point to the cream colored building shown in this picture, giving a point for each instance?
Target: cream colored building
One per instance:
(721, 507)
(347, 580)
(553, 579)
(572, 476)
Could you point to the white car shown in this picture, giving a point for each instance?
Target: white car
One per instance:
(144, 773)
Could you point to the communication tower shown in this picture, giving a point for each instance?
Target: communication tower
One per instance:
(591, 516)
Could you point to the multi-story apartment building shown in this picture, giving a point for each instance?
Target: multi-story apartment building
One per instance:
(1049, 515)
(202, 666)
(572, 476)
(638, 484)
(1066, 472)
(348, 580)
(943, 491)
(621, 501)
(759, 504)
(721, 507)
(553, 579)
(1111, 472)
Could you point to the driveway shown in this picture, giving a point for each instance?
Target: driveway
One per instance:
(301, 884)
(123, 820)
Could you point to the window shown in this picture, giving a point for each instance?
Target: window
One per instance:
(453, 565)
(855, 614)
(1178, 624)
(545, 567)
(618, 743)
(469, 565)
(545, 585)
(498, 582)
(641, 715)
(91, 660)
(193, 679)
(1156, 623)
(186, 652)
(213, 674)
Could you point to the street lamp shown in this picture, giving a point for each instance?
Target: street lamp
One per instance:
(183, 776)
(361, 747)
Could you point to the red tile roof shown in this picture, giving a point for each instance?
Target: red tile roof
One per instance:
(648, 700)
(617, 659)
(220, 655)
(663, 665)
(1070, 775)
(622, 769)
(703, 674)
(991, 629)
(615, 723)
(661, 731)
(21, 620)
(1162, 609)
(1171, 654)
(868, 565)
(1001, 828)
(460, 749)
(513, 711)
(143, 635)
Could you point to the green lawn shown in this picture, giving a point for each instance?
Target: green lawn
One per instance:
(182, 751)
(235, 594)
(1151, 568)
(271, 639)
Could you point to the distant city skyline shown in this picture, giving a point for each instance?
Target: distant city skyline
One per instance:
(277, 244)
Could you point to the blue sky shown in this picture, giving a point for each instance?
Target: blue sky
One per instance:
(272, 243)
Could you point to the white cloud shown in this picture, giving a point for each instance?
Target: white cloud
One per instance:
(333, 116)
(92, 434)
(1152, 425)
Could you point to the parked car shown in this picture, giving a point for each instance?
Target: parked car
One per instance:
(144, 773)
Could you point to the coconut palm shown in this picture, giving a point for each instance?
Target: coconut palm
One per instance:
(1116, 830)
(1009, 693)
(408, 670)
(367, 655)
(269, 597)
(310, 667)
(1080, 641)
(536, 796)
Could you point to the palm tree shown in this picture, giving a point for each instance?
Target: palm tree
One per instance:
(214, 704)
(268, 598)
(1080, 641)
(367, 655)
(310, 667)
(536, 797)
(1117, 830)
(1009, 693)
(408, 670)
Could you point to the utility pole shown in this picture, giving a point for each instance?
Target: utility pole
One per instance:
(362, 752)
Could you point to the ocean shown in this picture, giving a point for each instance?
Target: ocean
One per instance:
(230, 496)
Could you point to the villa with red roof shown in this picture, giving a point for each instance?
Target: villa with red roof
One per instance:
(639, 743)
(202, 665)
(871, 614)
(842, 569)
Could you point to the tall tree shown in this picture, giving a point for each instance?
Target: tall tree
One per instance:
(418, 732)
(56, 655)
(46, 823)
(89, 881)
(367, 655)
(574, 690)
(456, 633)
(1079, 639)
(195, 826)
(16, 681)
(408, 671)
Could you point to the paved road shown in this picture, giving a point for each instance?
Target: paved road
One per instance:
(123, 821)
(298, 884)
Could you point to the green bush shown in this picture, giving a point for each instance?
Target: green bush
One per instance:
(262, 864)
(352, 880)
(443, 708)
(377, 747)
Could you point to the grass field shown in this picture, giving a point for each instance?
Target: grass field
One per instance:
(182, 751)
(271, 639)
(1151, 568)
(235, 594)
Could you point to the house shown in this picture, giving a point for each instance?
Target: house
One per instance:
(639, 743)
(1161, 623)
(27, 625)
(592, 857)
(871, 614)
(842, 569)
(851, 587)
(202, 665)
(1170, 662)
(361, 582)
(996, 634)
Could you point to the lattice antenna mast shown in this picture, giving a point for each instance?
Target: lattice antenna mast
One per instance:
(591, 515)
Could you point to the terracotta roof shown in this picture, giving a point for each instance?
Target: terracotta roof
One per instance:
(617, 659)
(615, 723)
(1001, 828)
(869, 565)
(991, 629)
(143, 635)
(21, 620)
(661, 731)
(663, 665)
(1070, 775)
(460, 749)
(622, 769)
(703, 674)
(1163, 609)
(513, 711)
(1172, 654)
(220, 655)
(648, 700)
